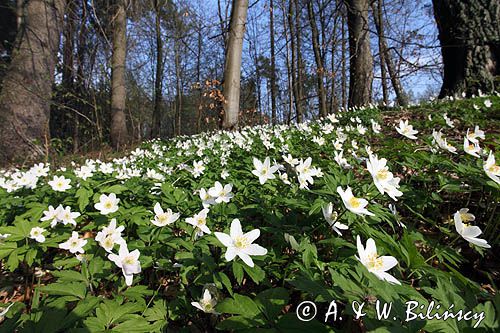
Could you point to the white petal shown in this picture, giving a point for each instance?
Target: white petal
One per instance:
(225, 239)
(246, 259)
(235, 229)
(255, 250)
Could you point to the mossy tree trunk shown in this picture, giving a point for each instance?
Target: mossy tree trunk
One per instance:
(27, 86)
(361, 59)
(469, 34)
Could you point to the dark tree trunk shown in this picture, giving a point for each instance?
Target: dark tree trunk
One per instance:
(156, 128)
(385, 56)
(232, 68)
(361, 60)
(27, 86)
(119, 133)
(469, 34)
(273, 63)
(344, 62)
(320, 70)
(377, 18)
(300, 63)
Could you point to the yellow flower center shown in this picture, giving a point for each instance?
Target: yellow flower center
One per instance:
(263, 171)
(494, 168)
(374, 262)
(129, 260)
(383, 174)
(241, 242)
(354, 202)
(200, 221)
(59, 184)
(108, 242)
(108, 205)
(74, 243)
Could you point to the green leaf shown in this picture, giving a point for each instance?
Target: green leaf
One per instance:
(238, 272)
(256, 273)
(240, 304)
(65, 289)
(83, 194)
(272, 301)
(82, 309)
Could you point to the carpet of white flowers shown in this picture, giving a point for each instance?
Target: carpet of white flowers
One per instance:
(233, 230)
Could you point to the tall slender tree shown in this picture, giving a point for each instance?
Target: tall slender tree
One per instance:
(119, 132)
(361, 59)
(27, 86)
(158, 90)
(318, 58)
(385, 57)
(232, 68)
(273, 63)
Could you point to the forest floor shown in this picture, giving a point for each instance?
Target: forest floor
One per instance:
(66, 230)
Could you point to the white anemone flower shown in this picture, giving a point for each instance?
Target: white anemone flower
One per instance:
(406, 130)
(127, 261)
(207, 303)
(331, 217)
(221, 193)
(110, 235)
(468, 232)
(492, 170)
(199, 221)
(206, 199)
(471, 149)
(382, 177)
(60, 184)
(74, 244)
(355, 205)
(264, 170)
(473, 136)
(36, 233)
(378, 265)
(163, 218)
(240, 244)
(107, 204)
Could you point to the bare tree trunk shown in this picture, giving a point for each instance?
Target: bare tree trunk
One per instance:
(469, 35)
(199, 84)
(289, 72)
(156, 127)
(119, 133)
(79, 84)
(377, 17)
(27, 85)
(344, 62)
(385, 57)
(300, 63)
(232, 70)
(273, 63)
(361, 60)
(178, 87)
(320, 70)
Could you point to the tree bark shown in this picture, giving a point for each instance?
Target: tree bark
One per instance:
(361, 60)
(156, 127)
(300, 64)
(232, 70)
(27, 85)
(470, 44)
(377, 18)
(178, 86)
(119, 132)
(344, 61)
(385, 57)
(320, 70)
(273, 63)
